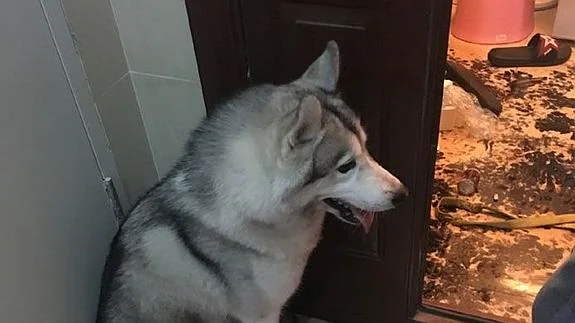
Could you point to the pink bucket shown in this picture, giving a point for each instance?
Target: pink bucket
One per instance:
(493, 21)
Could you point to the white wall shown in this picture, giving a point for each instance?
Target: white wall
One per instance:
(160, 53)
(140, 63)
(56, 221)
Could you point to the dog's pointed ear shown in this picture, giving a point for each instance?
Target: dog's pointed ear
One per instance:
(324, 72)
(307, 129)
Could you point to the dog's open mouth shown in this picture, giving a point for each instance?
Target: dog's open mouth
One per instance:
(351, 214)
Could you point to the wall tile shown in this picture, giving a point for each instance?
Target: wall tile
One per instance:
(123, 123)
(156, 37)
(170, 108)
(96, 36)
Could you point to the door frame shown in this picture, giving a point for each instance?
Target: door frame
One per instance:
(220, 48)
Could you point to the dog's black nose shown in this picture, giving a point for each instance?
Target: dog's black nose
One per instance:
(399, 196)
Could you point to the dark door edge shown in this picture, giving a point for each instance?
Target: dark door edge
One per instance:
(440, 19)
(438, 313)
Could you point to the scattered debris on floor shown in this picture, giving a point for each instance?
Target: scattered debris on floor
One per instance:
(468, 185)
(528, 171)
(519, 86)
(555, 121)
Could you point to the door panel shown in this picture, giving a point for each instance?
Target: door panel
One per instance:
(347, 262)
(392, 56)
(344, 3)
(352, 277)
(301, 37)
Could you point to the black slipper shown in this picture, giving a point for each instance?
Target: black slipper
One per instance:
(542, 50)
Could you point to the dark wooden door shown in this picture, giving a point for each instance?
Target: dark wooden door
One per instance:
(392, 60)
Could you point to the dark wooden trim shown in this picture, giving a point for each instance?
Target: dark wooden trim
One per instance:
(220, 48)
(258, 25)
(435, 313)
(412, 144)
(438, 43)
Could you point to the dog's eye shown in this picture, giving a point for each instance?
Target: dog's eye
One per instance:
(346, 167)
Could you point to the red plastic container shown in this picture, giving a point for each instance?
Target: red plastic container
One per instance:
(493, 21)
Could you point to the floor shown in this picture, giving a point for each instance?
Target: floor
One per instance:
(528, 171)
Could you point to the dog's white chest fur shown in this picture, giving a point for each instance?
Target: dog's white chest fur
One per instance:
(277, 280)
(280, 276)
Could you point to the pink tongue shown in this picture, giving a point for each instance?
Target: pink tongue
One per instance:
(366, 220)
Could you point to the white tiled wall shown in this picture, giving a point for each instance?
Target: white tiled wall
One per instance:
(170, 107)
(140, 62)
(158, 45)
(156, 37)
(123, 123)
(98, 41)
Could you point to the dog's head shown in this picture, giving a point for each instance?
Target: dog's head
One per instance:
(324, 145)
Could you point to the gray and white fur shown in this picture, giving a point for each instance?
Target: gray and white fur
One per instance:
(225, 236)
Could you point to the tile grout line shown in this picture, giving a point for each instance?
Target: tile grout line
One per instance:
(173, 78)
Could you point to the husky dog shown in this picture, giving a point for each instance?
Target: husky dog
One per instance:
(225, 236)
